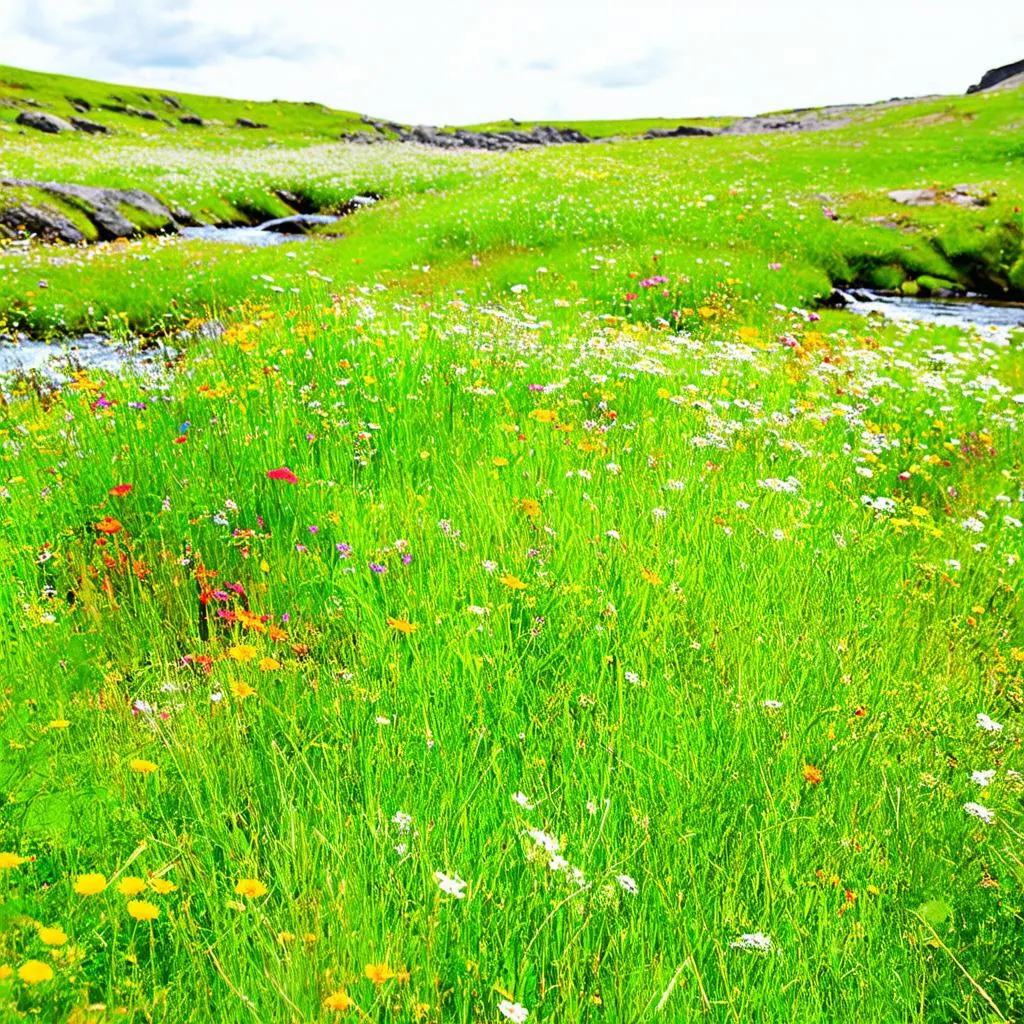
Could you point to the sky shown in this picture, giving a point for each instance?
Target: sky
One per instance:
(466, 61)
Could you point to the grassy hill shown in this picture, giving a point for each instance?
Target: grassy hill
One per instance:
(530, 603)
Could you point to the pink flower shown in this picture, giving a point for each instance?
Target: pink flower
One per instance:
(284, 473)
(774, 266)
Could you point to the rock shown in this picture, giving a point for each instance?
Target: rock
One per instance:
(192, 119)
(82, 106)
(49, 123)
(92, 127)
(299, 224)
(361, 138)
(997, 76)
(836, 299)
(913, 196)
(673, 133)
(43, 222)
(462, 138)
(172, 101)
(244, 122)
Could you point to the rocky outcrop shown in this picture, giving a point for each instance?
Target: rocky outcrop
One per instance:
(462, 138)
(959, 195)
(1000, 76)
(192, 119)
(244, 122)
(683, 131)
(43, 222)
(49, 123)
(83, 124)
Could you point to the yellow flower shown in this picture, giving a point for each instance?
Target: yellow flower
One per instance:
(285, 938)
(251, 887)
(530, 506)
(812, 775)
(162, 885)
(499, 461)
(652, 577)
(241, 690)
(402, 625)
(378, 973)
(34, 971)
(5, 971)
(242, 652)
(142, 767)
(544, 415)
(58, 723)
(143, 911)
(52, 936)
(512, 582)
(11, 860)
(269, 665)
(339, 1001)
(130, 886)
(90, 884)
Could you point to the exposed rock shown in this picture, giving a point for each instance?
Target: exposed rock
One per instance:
(48, 123)
(461, 138)
(299, 224)
(362, 138)
(674, 133)
(172, 101)
(43, 222)
(244, 122)
(83, 124)
(999, 76)
(192, 119)
(914, 196)
(82, 106)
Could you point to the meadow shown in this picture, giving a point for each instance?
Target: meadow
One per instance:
(530, 605)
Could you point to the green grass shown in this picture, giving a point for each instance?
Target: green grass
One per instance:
(718, 586)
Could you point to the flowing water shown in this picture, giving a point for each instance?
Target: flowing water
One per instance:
(984, 314)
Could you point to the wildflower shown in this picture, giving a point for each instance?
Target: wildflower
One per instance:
(512, 582)
(753, 940)
(986, 723)
(251, 888)
(628, 883)
(453, 885)
(90, 884)
(543, 840)
(269, 665)
(284, 473)
(651, 577)
(402, 625)
(120, 490)
(378, 973)
(983, 778)
(982, 813)
(544, 415)
(378, 568)
(162, 885)
(812, 775)
(55, 936)
(130, 886)
(142, 910)
(109, 526)
(32, 972)
(242, 652)
(523, 800)
(11, 860)
(142, 767)
(339, 1001)
(402, 820)
(58, 723)
(515, 1012)
(241, 690)
(529, 507)
(771, 705)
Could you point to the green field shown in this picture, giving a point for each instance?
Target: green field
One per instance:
(528, 601)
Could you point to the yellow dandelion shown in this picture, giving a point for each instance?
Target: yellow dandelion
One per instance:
(252, 888)
(499, 461)
(402, 625)
(812, 775)
(142, 767)
(90, 884)
(339, 1001)
(55, 936)
(162, 885)
(242, 652)
(142, 910)
(378, 973)
(130, 886)
(5, 971)
(544, 415)
(58, 723)
(530, 507)
(241, 690)
(11, 860)
(651, 577)
(512, 582)
(34, 971)
(269, 665)
(285, 938)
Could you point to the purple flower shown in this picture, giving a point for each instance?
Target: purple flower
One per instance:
(136, 405)
(301, 548)
(406, 559)
(344, 550)
(314, 529)
(378, 568)
(285, 617)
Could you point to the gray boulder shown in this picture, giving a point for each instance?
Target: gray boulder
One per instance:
(997, 76)
(42, 222)
(913, 196)
(83, 124)
(192, 119)
(683, 131)
(244, 122)
(49, 123)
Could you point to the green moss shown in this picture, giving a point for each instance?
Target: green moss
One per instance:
(910, 288)
(927, 283)
(887, 277)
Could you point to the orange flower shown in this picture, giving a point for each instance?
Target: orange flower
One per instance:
(378, 973)
(544, 415)
(339, 1001)
(120, 490)
(530, 507)
(252, 888)
(241, 690)
(812, 775)
(512, 582)
(109, 526)
(402, 625)
(652, 577)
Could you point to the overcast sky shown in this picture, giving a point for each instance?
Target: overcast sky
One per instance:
(460, 61)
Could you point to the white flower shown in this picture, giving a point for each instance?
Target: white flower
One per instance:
(515, 1012)
(986, 723)
(489, 566)
(771, 705)
(542, 839)
(627, 883)
(983, 813)
(778, 535)
(983, 778)
(453, 886)
(523, 800)
(613, 468)
(973, 524)
(558, 863)
(632, 677)
(612, 534)
(753, 940)
(402, 820)
(476, 609)
(659, 513)
(382, 720)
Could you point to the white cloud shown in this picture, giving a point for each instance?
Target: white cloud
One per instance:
(459, 61)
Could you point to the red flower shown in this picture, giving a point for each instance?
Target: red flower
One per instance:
(284, 473)
(120, 490)
(630, 296)
(181, 440)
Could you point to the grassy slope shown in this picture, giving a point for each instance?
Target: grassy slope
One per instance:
(652, 585)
